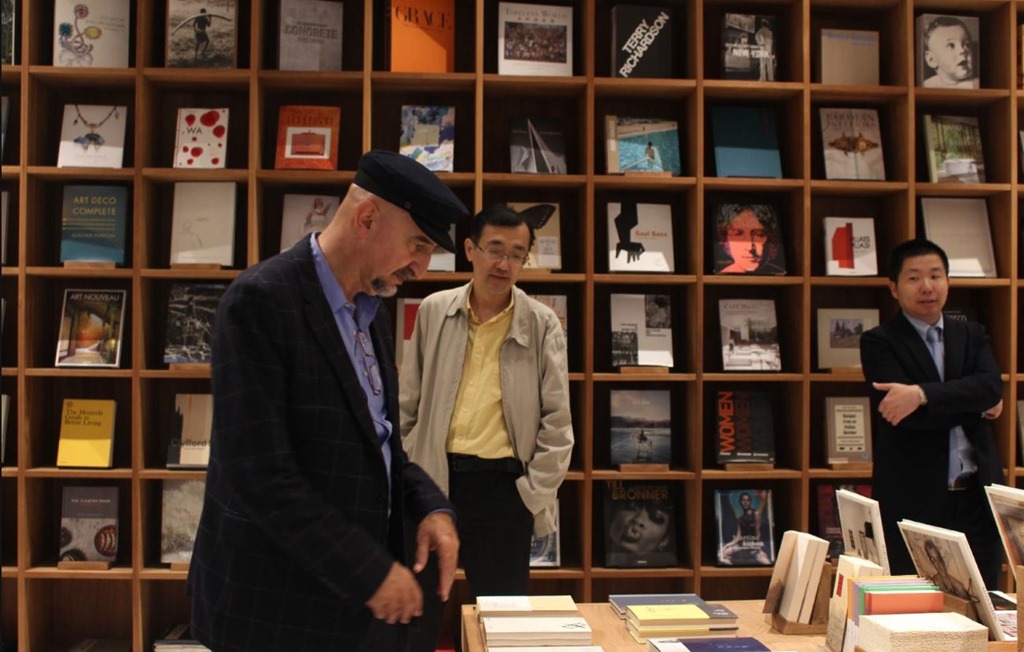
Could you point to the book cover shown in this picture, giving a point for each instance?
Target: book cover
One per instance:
(861, 521)
(960, 226)
(1008, 509)
(546, 551)
(537, 146)
(748, 47)
(203, 223)
(828, 514)
(750, 335)
(947, 51)
(847, 567)
(8, 33)
(5, 409)
(850, 246)
(93, 224)
(182, 504)
(640, 423)
(422, 36)
(526, 605)
(639, 524)
(88, 524)
(442, 260)
(745, 527)
(802, 577)
(642, 41)
(307, 138)
(621, 601)
(93, 34)
(191, 308)
(640, 237)
(848, 428)
(748, 240)
(310, 35)
(711, 644)
(5, 109)
(86, 433)
(90, 328)
(303, 215)
(191, 426)
(641, 145)
(746, 141)
(641, 330)
(405, 323)
(428, 136)
(5, 204)
(744, 429)
(201, 140)
(849, 56)
(202, 34)
(839, 331)
(534, 39)
(954, 149)
(559, 304)
(852, 144)
(546, 252)
(92, 136)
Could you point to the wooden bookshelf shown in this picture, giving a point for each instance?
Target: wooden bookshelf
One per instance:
(139, 597)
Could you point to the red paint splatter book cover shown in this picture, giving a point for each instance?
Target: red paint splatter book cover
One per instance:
(202, 138)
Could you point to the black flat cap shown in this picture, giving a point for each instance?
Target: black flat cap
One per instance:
(412, 187)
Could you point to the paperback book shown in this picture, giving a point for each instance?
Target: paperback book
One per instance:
(546, 252)
(850, 246)
(640, 237)
(91, 35)
(191, 426)
(92, 136)
(954, 149)
(90, 328)
(310, 35)
(642, 41)
(960, 226)
(750, 335)
(534, 39)
(748, 240)
(428, 136)
(640, 524)
(182, 503)
(861, 521)
(1008, 509)
(303, 215)
(641, 145)
(88, 523)
(852, 143)
(86, 433)
(744, 427)
(849, 56)
(421, 36)
(947, 51)
(537, 146)
(641, 330)
(201, 140)
(640, 424)
(848, 429)
(307, 138)
(839, 331)
(829, 527)
(748, 47)
(5, 410)
(8, 33)
(203, 223)
(746, 141)
(202, 34)
(442, 260)
(93, 224)
(745, 527)
(191, 308)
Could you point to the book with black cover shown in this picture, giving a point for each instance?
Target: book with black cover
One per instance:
(744, 430)
(537, 146)
(639, 524)
(745, 527)
(748, 47)
(191, 309)
(642, 41)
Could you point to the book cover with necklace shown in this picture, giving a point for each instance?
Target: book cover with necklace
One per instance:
(92, 136)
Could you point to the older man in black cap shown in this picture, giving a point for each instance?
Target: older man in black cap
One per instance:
(301, 541)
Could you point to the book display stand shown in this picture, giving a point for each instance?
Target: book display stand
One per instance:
(819, 613)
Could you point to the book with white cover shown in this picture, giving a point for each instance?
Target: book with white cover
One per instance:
(93, 34)
(848, 567)
(641, 330)
(526, 605)
(850, 246)
(750, 335)
(849, 56)
(442, 260)
(534, 39)
(851, 141)
(640, 237)
(921, 632)
(960, 226)
(802, 576)
(203, 223)
(546, 252)
(537, 630)
(302, 215)
(92, 136)
(310, 35)
(405, 323)
(201, 140)
(861, 521)
(1008, 509)
(191, 427)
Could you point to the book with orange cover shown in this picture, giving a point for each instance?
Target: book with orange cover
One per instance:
(307, 138)
(422, 34)
(910, 601)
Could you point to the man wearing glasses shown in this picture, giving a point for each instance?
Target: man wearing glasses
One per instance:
(485, 411)
(301, 544)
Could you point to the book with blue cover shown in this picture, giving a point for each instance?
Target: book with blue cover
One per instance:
(93, 223)
(428, 136)
(641, 145)
(746, 142)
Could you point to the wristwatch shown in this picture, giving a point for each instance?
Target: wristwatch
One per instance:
(921, 394)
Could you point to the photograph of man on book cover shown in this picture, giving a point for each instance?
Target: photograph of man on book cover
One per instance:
(748, 240)
(639, 524)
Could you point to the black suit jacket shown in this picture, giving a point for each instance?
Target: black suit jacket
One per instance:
(296, 532)
(911, 460)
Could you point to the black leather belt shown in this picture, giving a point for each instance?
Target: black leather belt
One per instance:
(473, 464)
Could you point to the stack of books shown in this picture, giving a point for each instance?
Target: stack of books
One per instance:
(539, 620)
(673, 614)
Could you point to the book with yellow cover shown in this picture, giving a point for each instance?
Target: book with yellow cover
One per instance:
(667, 614)
(86, 433)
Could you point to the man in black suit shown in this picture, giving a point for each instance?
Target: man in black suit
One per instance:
(935, 386)
(301, 544)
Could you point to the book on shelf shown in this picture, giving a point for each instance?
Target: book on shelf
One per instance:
(405, 322)
(849, 56)
(1020, 426)
(191, 309)
(5, 408)
(954, 149)
(641, 145)
(201, 139)
(307, 138)
(92, 136)
(178, 638)
(90, 328)
(559, 304)
(746, 141)
(828, 514)
(302, 215)
(745, 524)
(744, 426)
(182, 503)
(203, 223)
(309, 35)
(801, 575)
(640, 524)
(86, 433)
(947, 51)
(641, 330)
(642, 41)
(546, 551)
(851, 140)
(861, 521)
(442, 260)
(839, 331)
(93, 224)
(710, 644)
(640, 426)
(5, 110)
(848, 568)
(428, 136)
(191, 426)
(1008, 509)
(537, 146)
(420, 36)
(850, 246)
(5, 204)
(8, 33)
(848, 429)
(921, 631)
(960, 226)
(526, 605)
(88, 523)
(534, 39)
(747, 239)
(749, 335)
(202, 34)
(640, 237)
(93, 35)
(546, 251)
(748, 47)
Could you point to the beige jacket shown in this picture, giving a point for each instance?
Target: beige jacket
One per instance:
(534, 394)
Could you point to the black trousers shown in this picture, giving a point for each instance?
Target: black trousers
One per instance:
(494, 534)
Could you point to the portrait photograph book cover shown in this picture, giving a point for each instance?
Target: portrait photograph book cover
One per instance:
(745, 527)
(640, 426)
(640, 524)
(747, 239)
(947, 51)
(202, 34)
(90, 328)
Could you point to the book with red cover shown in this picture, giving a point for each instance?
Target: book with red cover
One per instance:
(422, 36)
(307, 138)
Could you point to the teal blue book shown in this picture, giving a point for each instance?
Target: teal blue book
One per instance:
(746, 142)
(93, 224)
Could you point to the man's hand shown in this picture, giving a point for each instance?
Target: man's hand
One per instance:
(899, 402)
(399, 598)
(994, 411)
(437, 533)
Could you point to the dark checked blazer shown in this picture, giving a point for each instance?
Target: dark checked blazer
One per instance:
(295, 533)
(911, 459)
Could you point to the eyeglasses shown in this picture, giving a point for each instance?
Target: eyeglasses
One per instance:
(497, 255)
(370, 363)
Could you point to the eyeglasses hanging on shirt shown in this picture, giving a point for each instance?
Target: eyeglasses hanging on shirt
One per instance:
(370, 366)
